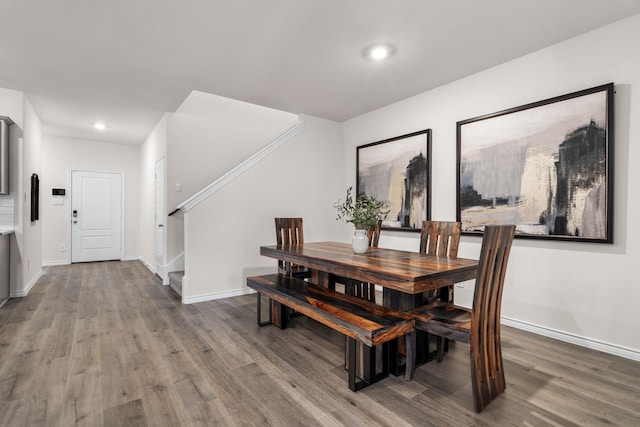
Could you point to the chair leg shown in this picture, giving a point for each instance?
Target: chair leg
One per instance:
(487, 375)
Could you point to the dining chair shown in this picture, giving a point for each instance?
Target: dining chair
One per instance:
(479, 326)
(440, 238)
(290, 231)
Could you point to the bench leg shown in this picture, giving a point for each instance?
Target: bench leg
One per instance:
(280, 314)
(368, 356)
(365, 357)
(260, 322)
(280, 318)
(351, 352)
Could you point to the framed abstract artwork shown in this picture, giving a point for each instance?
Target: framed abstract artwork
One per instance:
(545, 167)
(398, 170)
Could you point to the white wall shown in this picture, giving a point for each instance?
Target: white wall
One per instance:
(206, 137)
(302, 178)
(12, 106)
(590, 291)
(153, 148)
(61, 155)
(27, 261)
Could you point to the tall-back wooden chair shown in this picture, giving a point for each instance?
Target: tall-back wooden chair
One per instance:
(374, 235)
(480, 326)
(290, 231)
(440, 238)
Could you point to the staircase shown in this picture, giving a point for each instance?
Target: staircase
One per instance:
(175, 281)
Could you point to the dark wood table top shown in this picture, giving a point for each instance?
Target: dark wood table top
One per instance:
(407, 272)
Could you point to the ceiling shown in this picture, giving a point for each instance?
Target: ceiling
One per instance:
(127, 62)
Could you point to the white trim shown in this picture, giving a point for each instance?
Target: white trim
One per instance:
(55, 263)
(132, 258)
(201, 195)
(216, 295)
(30, 285)
(627, 353)
(164, 273)
(67, 262)
(143, 261)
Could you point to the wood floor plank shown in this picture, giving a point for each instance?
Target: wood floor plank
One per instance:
(106, 344)
(119, 384)
(83, 400)
(48, 390)
(127, 414)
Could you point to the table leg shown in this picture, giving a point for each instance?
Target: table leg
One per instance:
(403, 302)
(322, 278)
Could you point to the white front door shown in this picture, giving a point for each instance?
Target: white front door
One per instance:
(96, 216)
(159, 219)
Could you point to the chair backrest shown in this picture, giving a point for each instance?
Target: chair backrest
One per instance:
(289, 231)
(374, 235)
(492, 266)
(440, 238)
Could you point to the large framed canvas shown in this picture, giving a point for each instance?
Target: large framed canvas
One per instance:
(398, 170)
(545, 167)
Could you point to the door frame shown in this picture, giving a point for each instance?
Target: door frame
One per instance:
(69, 208)
(163, 273)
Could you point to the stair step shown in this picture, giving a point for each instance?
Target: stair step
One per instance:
(175, 281)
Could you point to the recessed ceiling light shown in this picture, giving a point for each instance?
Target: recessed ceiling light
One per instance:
(379, 52)
(100, 126)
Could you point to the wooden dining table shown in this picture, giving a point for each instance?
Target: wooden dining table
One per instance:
(404, 276)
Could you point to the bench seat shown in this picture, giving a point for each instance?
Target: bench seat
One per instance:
(361, 321)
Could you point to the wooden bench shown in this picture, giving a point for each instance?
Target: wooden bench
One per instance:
(361, 321)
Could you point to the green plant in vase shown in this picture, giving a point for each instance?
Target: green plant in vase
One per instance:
(364, 213)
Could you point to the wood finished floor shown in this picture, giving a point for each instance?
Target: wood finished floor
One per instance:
(105, 344)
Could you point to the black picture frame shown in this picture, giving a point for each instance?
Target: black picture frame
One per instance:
(544, 166)
(398, 170)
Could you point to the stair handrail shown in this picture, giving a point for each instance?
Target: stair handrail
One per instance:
(207, 191)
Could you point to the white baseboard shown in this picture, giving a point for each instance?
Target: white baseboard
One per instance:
(55, 263)
(67, 262)
(144, 262)
(216, 295)
(30, 285)
(627, 353)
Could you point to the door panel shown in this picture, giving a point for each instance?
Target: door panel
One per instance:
(96, 216)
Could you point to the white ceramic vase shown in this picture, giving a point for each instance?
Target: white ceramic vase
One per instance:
(360, 241)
